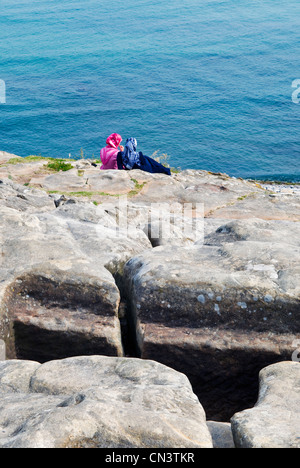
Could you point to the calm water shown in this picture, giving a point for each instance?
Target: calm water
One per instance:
(209, 82)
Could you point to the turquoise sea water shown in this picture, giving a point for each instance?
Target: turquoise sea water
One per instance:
(209, 82)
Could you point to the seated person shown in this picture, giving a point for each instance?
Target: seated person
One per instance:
(109, 154)
(131, 159)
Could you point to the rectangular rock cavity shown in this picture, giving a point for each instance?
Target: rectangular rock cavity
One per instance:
(51, 317)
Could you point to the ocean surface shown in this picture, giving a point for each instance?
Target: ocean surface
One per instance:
(207, 82)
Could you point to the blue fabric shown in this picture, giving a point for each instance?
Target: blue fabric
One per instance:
(130, 156)
(130, 159)
(148, 164)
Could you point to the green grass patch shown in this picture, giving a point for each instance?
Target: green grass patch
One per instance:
(28, 159)
(87, 194)
(248, 195)
(138, 187)
(33, 158)
(59, 165)
(84, 194)
(176, 170)
(13, 161)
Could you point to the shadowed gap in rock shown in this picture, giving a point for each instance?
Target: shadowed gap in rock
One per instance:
(225, 382)
(38, 344)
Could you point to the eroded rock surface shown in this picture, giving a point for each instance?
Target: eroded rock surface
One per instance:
(85, 256)
(58, 294)
(221, 311)
(98, 402)
(274, 422)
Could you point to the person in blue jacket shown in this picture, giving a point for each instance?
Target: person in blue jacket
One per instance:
(131, 159)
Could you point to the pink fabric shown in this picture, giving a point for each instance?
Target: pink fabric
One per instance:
(109, 158)
(109, 153)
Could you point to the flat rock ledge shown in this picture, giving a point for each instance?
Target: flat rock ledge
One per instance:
(109, 402)
(217, 298)
(274, 422)
(98, 402)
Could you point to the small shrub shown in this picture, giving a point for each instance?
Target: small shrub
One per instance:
(33, 157)
(161, 158)
(83, 155)
(59, 166)
(14, 161)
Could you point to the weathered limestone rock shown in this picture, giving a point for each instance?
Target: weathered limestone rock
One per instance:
(221, 434)
(274, 422)
(222, 311)
(261, 205)
(68, 181)
(58, 294)
(22, 173)
(98, 402)
(86, 180)
(15, 376)
(110, 182)
(160, 189)
(5, 157)
(22, 198)
(58, 312)
(223, 197)
(89, 180)
(218, 304)
(215, 191)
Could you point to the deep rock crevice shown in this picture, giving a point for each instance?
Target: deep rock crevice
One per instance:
(53, 318)
(53, 315)
(217, 311)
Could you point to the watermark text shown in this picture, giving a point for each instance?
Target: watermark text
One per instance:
(2, 350)
(296, 93)
(2, 92)
(160, 221)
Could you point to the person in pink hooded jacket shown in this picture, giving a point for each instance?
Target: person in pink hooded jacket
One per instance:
(110, 152)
